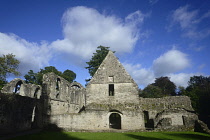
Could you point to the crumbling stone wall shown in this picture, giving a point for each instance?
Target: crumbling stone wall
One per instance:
(16, 112)
(18, 86)
(169, 112)
(62, 97)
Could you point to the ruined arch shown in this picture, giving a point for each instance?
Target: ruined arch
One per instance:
(115, 120)
(36, 93)
(17, 87)
(76, 85)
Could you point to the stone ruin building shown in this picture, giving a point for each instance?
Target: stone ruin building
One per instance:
(109, 102)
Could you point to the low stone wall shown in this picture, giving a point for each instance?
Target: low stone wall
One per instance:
(170, 102)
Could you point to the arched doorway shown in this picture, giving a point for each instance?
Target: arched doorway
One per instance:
(115, 121)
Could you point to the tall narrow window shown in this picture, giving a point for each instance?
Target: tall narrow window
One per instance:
(58, 81)
(111, 89)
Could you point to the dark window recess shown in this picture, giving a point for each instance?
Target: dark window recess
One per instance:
(149, 123)
(111, 89)
(58, 81)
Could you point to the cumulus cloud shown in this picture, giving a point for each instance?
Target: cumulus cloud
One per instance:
(188, 20)
(181, 79)
(85, 28)
(170, 62)
(31, 55)
(141, 75)
(167, 64)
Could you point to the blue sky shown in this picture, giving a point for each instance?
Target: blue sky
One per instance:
(152, 38)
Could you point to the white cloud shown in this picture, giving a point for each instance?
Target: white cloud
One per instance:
(141, 75)
(31, 55)
(181, 79)
(170, 62)
(167, 64)
(85, 28)
(189, 21)
(152, 2)
(185, 18)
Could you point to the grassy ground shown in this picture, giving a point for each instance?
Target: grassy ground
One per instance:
(115, 136)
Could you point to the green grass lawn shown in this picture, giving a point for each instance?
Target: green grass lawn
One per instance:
(115, 136)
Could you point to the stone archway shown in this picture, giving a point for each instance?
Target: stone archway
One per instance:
(115, 121)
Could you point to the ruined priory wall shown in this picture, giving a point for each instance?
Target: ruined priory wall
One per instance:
(171, 102)
(170, 113)
(15, 112)
(29, 90)
(62, 97)
(123, 93)
(97, 120)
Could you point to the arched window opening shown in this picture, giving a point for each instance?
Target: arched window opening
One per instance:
(17, 87)
(115, 121)
(115, 111)
(75, 86)
(36, 92)
(58, 81)
(33, 114)
(57, 95)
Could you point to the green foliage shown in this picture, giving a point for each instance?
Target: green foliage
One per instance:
(69, 75)
(167, 87)
(8, 65)
(161, 88)
(36, 78)
(152, 91)
(181, 90)
(199, 92)
(97, 59)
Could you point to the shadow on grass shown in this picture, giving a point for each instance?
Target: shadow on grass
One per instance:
(190, 136)
(45, 135)
(143, 137)
(52, 132)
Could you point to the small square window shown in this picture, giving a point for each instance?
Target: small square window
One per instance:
(110, 79)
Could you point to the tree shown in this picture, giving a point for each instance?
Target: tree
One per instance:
(97, 59)
(181, 90)
(199, 91)
(8, 65)
(31, 77)
(69, 75)
(167, 87)
(37, 78)
(152, 91)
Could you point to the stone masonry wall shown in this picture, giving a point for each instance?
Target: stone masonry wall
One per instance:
(97, 120)
(170, 102)
(112, 72)
(16, 112)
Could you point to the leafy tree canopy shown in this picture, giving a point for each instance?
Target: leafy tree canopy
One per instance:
(151, 91)
(8, 65)
(198, 90)
(97, 59)
(36, 78)
(167, 87)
